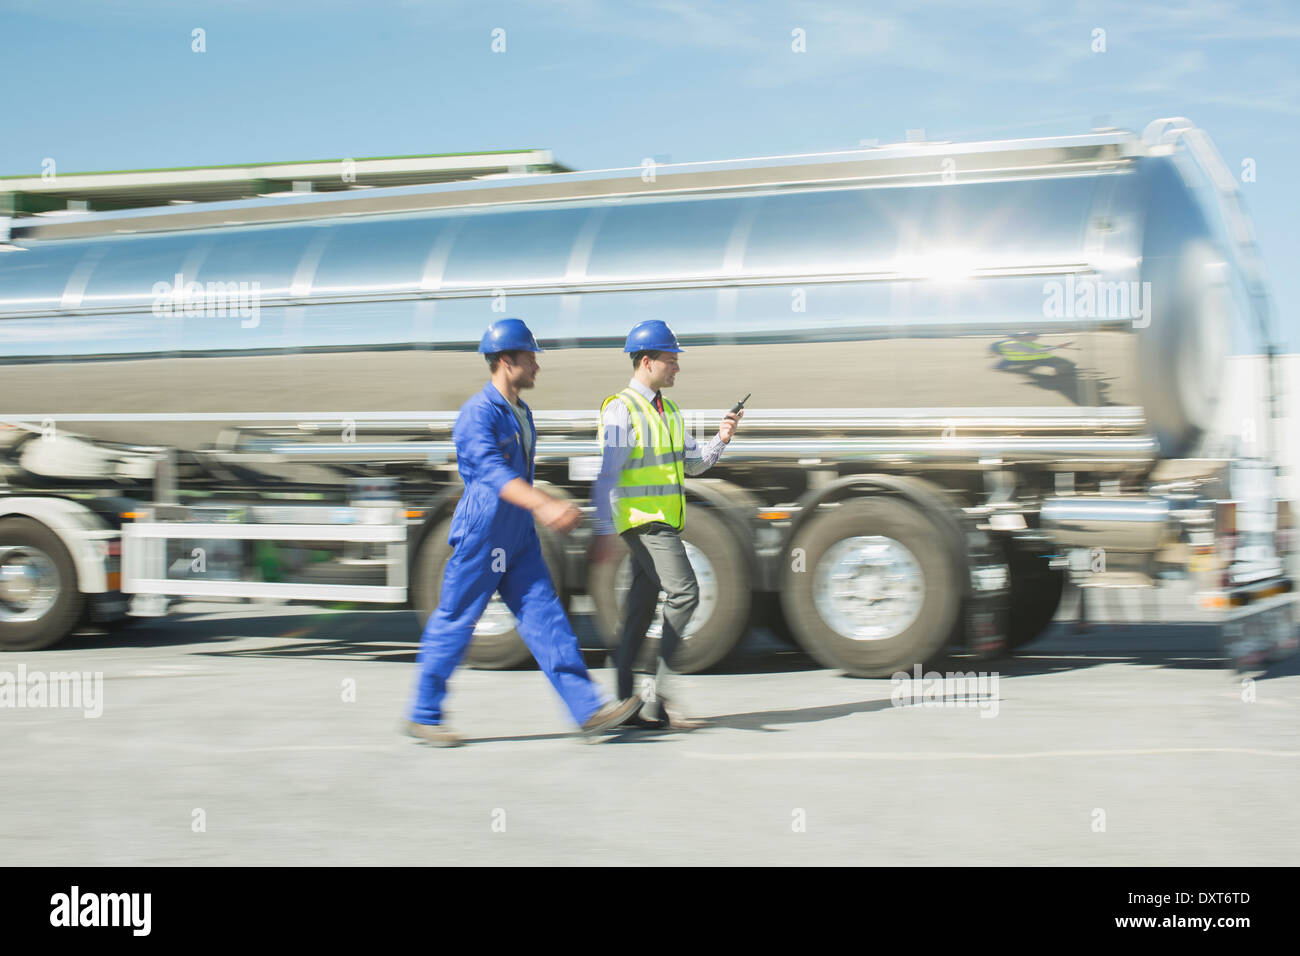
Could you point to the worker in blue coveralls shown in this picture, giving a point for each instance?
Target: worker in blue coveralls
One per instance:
(496, 548)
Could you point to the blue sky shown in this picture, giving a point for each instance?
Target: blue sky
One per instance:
(112, 85)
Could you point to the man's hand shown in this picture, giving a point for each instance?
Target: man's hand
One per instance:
(601, 549)
(729, 423)
(558, 515)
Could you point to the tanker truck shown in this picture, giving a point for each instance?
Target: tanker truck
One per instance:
(979, 372)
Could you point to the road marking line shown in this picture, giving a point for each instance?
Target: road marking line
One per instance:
(863, 755)
(377, 748)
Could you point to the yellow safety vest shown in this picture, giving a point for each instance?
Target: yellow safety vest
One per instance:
(651, 486)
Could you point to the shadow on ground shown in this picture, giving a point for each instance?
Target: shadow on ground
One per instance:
(393, 636)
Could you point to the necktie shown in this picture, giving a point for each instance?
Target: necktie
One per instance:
(659, 403)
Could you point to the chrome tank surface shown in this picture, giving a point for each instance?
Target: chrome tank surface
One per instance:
(903, 291)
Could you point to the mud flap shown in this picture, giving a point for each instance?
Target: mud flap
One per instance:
(1261, 633)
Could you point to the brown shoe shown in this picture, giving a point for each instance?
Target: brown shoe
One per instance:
(676, 719)
(437, 735)
(611, 715)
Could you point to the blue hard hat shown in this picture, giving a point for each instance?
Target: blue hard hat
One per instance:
(652, 335)
(508, 335)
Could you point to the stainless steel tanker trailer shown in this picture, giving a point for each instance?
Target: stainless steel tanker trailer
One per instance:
(977, 370)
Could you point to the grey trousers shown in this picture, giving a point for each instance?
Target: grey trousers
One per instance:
(659, 562)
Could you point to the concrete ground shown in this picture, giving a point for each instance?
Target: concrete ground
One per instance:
(237, 734)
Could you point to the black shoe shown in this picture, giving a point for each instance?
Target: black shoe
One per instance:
(645, 723)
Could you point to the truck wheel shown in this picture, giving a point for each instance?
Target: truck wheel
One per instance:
(1034, 595)
(718, 623)
(496, 644)
(40, 602)
(870, 588)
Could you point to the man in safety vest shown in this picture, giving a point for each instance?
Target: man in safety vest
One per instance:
(495, 548)
(640, 493)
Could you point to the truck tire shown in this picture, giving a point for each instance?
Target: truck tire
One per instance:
(718, 623)
(1034, 595)
(899, 613)
(40, 601)
(496, 644)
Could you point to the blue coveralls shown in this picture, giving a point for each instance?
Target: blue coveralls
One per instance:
(490, 453)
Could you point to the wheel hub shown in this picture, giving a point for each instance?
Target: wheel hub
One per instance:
(704, 575)
(868, 588)
(29, 584)
(496, 619)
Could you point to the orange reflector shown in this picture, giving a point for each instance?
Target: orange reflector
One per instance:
(114, 580)
(773, 515)
(1242, 598)
(130, 515)
(415, 514)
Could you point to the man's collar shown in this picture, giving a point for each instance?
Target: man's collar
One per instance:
(494, 394)
(642, 389)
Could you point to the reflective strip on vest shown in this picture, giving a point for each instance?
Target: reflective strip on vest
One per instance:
(667, 458)
(651, 486)
(645, 491)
